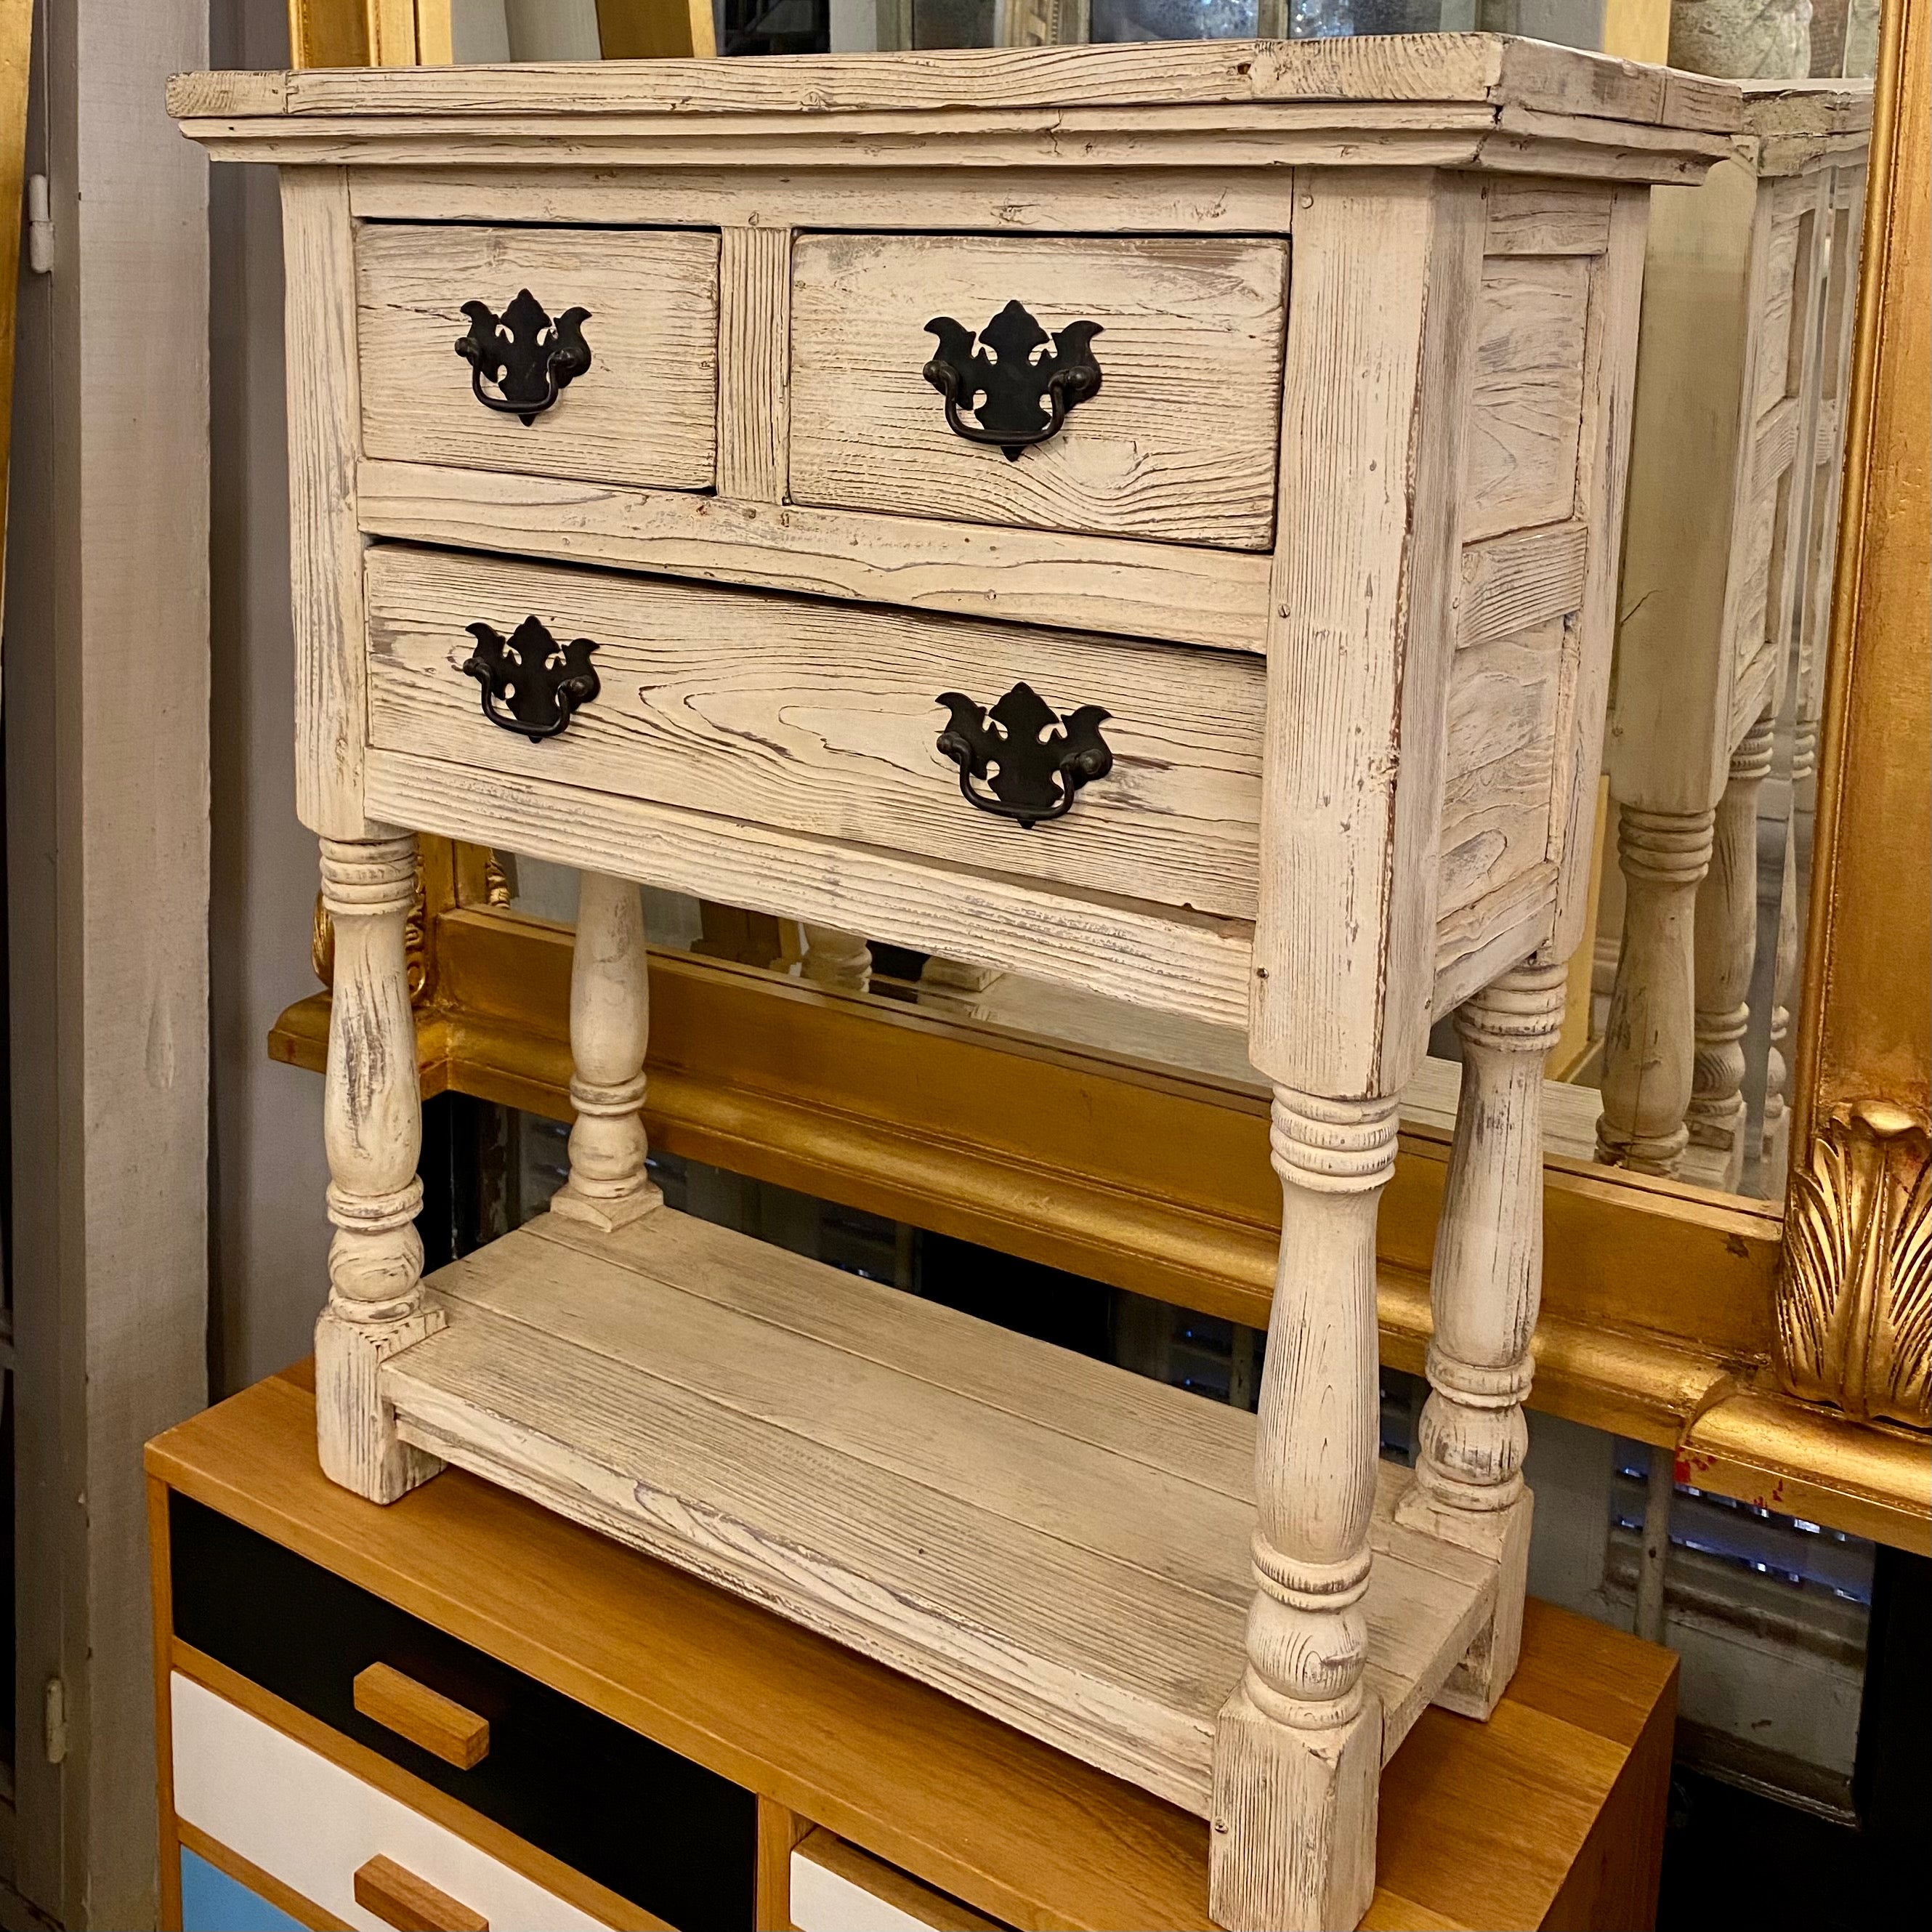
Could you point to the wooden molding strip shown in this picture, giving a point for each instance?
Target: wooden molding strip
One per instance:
(1759, 1445)
(1194, 595)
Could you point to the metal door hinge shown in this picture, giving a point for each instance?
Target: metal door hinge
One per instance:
(53, 1721)
(39, 227)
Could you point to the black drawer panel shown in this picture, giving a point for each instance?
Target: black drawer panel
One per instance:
(671, 1837)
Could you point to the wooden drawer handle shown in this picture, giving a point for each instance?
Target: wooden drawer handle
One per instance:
(426, 1717)
(399, 1898)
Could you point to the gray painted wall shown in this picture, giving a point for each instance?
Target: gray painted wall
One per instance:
(268, 1234)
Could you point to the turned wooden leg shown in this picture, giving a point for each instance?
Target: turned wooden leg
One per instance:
(1483, 1290)
(1297, 1749)
(835, 958)
(372, 1128)
(1725, 948)
(1648, 1040)
(610, 1029)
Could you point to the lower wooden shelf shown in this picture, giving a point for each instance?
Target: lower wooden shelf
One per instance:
(1055, 1541)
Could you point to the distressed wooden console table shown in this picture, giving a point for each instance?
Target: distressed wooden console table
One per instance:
(1145, 517)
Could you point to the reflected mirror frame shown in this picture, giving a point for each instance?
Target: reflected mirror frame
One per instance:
(1669, 1314)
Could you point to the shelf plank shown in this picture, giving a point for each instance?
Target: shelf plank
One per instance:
(1050, 1540)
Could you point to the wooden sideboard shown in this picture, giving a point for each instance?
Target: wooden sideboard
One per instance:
(657, 1751)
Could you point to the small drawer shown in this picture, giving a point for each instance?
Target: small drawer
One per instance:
(313, 1826)
(837, 1887)
(644, 411)
(825, 719)
(1178, 443)
(669, 1836)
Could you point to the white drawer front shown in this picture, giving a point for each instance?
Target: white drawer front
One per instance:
(310, 1823)
(837, 1887)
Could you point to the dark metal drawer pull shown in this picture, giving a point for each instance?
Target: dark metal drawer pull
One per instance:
(542, 681)
(531, 359)
(1033, 760)
(1019, 398)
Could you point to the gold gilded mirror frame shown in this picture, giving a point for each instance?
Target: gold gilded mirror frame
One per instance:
(1791, 1375)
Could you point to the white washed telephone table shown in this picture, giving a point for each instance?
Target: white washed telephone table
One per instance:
(1145, 516)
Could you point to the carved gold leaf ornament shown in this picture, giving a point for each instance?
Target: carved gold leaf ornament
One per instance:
(1855, 1299)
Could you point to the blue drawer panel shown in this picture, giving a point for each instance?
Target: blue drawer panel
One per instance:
(212, 1901)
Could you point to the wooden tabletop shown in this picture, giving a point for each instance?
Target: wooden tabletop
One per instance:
(1550, 1814)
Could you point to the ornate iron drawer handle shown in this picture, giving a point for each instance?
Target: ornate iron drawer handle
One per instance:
(542, 681)
(1013, 384)
(1033, 759)
(531, 359)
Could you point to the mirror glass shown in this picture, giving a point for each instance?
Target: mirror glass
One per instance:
(1738, 933)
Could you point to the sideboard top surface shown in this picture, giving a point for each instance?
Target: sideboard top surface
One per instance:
(1015, 1827)
(1434, 99)
(1496, 70)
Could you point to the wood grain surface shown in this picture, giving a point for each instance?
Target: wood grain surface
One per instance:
(645, 410)
(441, 1725)
(1480, 67)
(1504, 704)
(1179, 444)
(821, 718)
(1052, 1540)
(1183, 592)
(325, 548)
(1022, 1833)
(1526, 411)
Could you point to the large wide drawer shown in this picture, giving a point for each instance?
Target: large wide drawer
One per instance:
(645, 411)
(824, 718)
(1178, 444)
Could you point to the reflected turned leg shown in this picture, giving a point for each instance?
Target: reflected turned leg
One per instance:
(1649, 1039)
(1484, 1288)
(372, 1127)
(1726, 949)
(1298, 1750)
(610, 1031)
(836, 958)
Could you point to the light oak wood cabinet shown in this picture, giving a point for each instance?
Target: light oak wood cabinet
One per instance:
(1157, 531)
